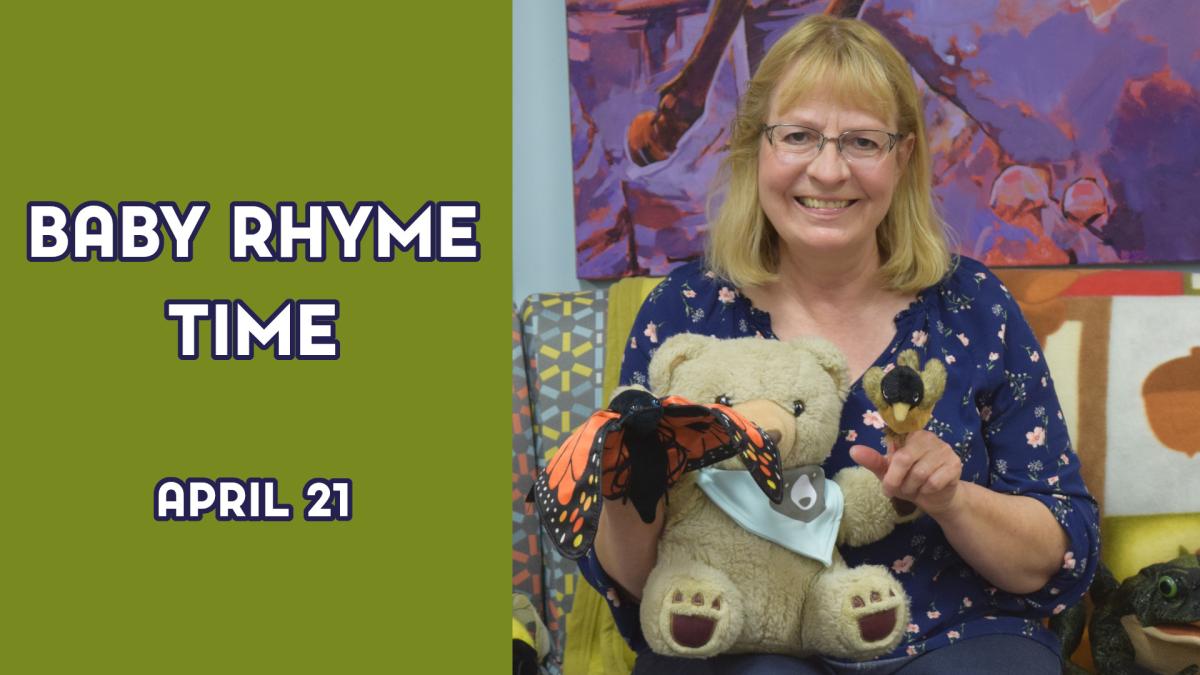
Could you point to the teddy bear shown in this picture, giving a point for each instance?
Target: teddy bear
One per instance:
(736, 573)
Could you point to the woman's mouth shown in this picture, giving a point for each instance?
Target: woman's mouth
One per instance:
(824, 204)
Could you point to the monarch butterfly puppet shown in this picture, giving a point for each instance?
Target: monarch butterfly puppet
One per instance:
(635, 450)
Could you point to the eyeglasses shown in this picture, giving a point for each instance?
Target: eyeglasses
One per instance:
(861, 146)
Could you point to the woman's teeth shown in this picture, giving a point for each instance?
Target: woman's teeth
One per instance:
(824, 203)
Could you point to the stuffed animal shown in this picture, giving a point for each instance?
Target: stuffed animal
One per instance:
(634, 451)
(905, 393)
(531, 640)
(1149, 623)
(525, 656)
(738, 573)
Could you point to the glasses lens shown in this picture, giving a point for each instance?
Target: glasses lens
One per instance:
(864, 144)
(795, 140)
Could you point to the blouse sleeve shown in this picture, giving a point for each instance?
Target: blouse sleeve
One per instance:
(1030, 454)
(660, 316)
(626, 613)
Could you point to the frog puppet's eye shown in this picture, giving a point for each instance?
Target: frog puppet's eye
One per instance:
(1167, 587)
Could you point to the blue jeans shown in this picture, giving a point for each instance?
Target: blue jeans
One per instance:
(984, 655)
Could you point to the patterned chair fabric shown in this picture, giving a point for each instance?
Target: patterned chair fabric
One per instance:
(563, 347)
(526, 553)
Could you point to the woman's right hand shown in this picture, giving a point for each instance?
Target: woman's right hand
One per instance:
(924, 471)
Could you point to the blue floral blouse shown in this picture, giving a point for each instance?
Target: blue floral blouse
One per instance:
(999, 412)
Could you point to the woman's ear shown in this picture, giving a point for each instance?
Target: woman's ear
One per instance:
(674, 352)
(904, 150)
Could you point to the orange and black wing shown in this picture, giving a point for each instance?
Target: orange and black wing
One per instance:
(702, 435)
(567, 491)
(699, 430)
(614, 464)
(693, 435)
(756, 450)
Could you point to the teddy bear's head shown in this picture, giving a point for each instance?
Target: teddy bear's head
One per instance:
(794, 390)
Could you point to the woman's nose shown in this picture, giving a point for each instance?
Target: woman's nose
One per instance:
(828, 166)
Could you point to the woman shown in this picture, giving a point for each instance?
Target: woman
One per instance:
(827, 228)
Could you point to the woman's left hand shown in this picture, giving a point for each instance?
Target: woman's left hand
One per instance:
(924, 471)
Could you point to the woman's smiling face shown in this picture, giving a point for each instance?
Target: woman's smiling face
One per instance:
(826, 204)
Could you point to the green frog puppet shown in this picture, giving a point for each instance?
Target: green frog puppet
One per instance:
(1150, 623)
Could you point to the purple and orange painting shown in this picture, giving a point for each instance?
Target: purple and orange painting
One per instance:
(1064, 132)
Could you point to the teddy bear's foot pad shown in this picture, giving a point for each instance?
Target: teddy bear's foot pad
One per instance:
(877, 618)
(692, 631)
(856, 613)
(877, 626)
(693, 626)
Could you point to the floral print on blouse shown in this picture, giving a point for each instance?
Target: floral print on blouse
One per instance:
(999, 412)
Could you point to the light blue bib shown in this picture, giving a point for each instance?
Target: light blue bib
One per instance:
(805, 523)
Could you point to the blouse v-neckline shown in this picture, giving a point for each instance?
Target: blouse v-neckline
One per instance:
(903, 321)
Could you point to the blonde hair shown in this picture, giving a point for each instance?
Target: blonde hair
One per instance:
(867, 73)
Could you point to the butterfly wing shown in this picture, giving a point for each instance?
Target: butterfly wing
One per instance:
(615, 465)
(595, 462)
(567, 491)
(695, 434)
(707, 434)
(756, 450)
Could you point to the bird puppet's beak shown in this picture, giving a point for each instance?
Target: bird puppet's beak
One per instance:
(900, 411)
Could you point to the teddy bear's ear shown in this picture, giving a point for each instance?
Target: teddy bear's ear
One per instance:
(830, 359)
(674, 351)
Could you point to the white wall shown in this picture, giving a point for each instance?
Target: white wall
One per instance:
(543, 205)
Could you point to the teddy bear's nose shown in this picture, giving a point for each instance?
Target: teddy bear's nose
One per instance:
(768, 415)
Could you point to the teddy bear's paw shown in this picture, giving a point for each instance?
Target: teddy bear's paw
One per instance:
(867, 611)
(694, 619)
(698, 618)
(876, 621)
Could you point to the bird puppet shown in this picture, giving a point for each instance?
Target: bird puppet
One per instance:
(635, 450)
(905, 393)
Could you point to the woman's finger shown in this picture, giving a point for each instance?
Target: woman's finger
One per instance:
(870, 459)
(922, 469)
(946, 475)
(900, 462)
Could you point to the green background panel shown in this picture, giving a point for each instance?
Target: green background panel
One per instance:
(398, 102)
(1133, 542)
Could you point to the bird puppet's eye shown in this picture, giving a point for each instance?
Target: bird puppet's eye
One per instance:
(797, 407)
(724, 400)
(1167, 587)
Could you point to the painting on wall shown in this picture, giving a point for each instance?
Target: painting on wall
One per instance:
(1064, 132)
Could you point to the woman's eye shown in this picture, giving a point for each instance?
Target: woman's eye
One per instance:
(863, 143)
(797, 407)
(724, 400)
(799, 138)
